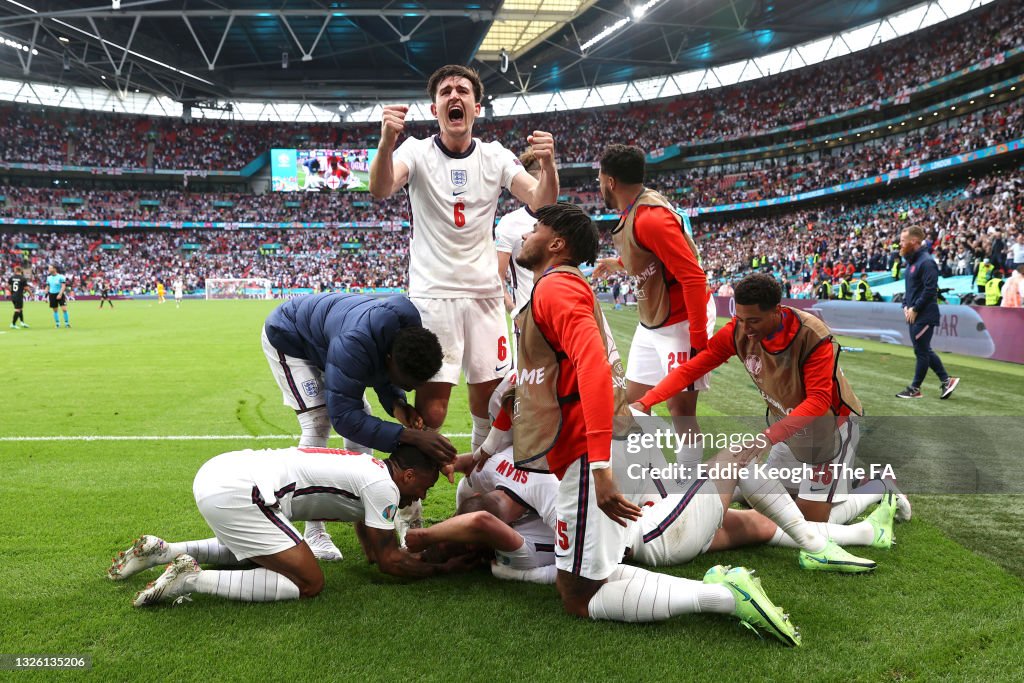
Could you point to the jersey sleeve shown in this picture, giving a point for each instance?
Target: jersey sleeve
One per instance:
(406, 153)
(659, 231)
(508, 163)
(566, 310)
(504, 240)
(380, 504)
(347, 361)
(720, 349)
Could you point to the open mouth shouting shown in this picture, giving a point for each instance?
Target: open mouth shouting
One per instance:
(456, 113)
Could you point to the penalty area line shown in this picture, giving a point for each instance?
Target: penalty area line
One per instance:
(171, 437)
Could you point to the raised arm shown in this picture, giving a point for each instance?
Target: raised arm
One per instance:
(388, 176)
(544, 189)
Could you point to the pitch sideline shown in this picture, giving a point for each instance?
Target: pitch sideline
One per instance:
(172, 437)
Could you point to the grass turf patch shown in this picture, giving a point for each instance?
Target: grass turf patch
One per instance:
(943, 603)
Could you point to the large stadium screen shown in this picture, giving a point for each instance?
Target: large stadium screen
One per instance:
(297, 170)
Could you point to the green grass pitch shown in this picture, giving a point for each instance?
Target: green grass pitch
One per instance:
(944, 603)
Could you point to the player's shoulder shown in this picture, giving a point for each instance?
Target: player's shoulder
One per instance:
(564, 286)
(412, 144)
(490, 145)
(493, 149)
(510, 219)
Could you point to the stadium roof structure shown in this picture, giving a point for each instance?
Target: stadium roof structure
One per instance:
(336, 59)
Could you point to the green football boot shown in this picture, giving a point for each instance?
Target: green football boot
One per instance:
(835, 559)
(881, 521)
(753, 607)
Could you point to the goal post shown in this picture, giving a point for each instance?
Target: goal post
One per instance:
(239, 288)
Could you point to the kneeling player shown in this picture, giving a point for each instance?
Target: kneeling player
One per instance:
(793, 361)
(251, 498)
(513, 513)
(570, 386)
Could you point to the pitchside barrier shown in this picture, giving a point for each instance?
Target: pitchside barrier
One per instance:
(987, 332)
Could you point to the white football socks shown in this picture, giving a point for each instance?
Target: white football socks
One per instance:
(313, 528)
(481, 428)
(689, 457)
(316, 427)
(253, 585)
(768, 496)
(546, 574)
(861, 533)
(206, 551)
(637, 595)
(859, 500)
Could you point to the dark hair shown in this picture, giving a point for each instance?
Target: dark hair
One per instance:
(417, 353)
(458, 71)
(572, 224)
(758, 290)
(625, 163)
(408, 457)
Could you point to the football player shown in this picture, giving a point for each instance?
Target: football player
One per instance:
(250, 499)
(454, 182)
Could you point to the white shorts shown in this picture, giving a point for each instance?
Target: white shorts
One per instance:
(301, 382)
(823, 487)
(588, 543)
(655, 353)
(473, 334)
(234, 509)
(678, 528)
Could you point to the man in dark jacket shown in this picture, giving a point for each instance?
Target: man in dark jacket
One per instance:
(921, 310)
(326, 349)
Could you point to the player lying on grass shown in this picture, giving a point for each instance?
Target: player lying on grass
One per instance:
(675, 529)
(251, 498)
(524, 546)
(701, 517)
(813, 413)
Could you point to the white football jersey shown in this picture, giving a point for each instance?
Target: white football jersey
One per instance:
(321, 484)
(537, 491)
(454, 198)
(509, 240)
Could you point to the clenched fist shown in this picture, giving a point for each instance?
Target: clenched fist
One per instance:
(392, 124)
(543, 145)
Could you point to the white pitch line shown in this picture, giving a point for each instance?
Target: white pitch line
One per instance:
(173, 437)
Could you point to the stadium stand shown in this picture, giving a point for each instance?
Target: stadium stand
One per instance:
(800, 244)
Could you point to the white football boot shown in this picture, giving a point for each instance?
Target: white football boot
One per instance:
(145, 552)
(174, 585)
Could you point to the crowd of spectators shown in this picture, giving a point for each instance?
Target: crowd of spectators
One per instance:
(134, 261)
(711, 186)
(200, 207)
(60, 136)
(964, 224)
(796, 173)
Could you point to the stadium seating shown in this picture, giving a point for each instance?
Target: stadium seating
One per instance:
(800, 245)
